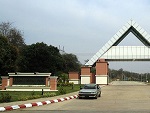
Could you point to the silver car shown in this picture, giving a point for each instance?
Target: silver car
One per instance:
(90, 90)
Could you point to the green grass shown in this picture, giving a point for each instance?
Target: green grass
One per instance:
(69, 89)
(15, 95)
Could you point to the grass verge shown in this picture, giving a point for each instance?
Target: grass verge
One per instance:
(12, 96)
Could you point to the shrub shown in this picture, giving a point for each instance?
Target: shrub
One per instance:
(49, 94)
(33, 96)
(5, 97)
(61, 90)
(33, 93)
(23, 98)
(65, 84)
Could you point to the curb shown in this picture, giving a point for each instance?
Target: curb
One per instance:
(14, 107)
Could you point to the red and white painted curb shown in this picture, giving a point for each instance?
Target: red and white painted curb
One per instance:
(36, 103)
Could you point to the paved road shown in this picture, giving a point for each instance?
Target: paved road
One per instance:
(127, 83)
(115, 99)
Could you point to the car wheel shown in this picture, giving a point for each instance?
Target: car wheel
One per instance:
(99, 95)
(79, 97)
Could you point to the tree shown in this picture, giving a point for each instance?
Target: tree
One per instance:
(8, 56)
(40, 57)
(63, 78)
(71, 63)
(13, 35)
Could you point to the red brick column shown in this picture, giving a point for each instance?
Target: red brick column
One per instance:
(86, 75)
(4, 82)
(101, 72)
(85, 70)
(10, 81)
(74, 77)
(101, 67)
(53, 83)
(92, 78)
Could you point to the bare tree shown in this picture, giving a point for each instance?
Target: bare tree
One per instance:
(13, 35)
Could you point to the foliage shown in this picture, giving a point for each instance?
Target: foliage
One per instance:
(65, 87)
(71, 63)
(32, 93)
(23, 96)
(35, 96)
(5, 97)
(126, 75)
(61, 90)
(8, 56)
(62, 78)
(69, 89)
(40, 57)
(13, 35)
(11, 41)
(93, 70)
(65, 84)
(48, 94)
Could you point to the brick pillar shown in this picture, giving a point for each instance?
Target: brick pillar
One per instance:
(92, 78)
(85, 70)
(53, 83)
(74, 77)
(10, 81)
(101, 67)
(4, 82)
(85, 75)
(101, 72)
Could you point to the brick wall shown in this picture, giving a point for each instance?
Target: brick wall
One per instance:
(74, 75)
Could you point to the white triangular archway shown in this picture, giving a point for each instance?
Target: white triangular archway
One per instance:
(136, 53)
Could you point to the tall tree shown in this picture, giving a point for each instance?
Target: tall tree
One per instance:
(71, 62)
(8, 56)
(40, 57)
(13, 35)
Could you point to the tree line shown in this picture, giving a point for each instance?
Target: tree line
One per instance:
(16, 56)
(128, 76)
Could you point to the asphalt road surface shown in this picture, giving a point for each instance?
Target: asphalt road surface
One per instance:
(119, 97)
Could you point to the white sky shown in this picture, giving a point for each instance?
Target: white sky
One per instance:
(81, 26)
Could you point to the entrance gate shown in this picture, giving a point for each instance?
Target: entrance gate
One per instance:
(111, 52)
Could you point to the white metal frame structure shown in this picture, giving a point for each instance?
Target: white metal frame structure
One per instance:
(110, 51)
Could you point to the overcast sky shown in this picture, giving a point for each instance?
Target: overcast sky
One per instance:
(81, 26)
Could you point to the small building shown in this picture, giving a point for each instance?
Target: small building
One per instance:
(74, 77)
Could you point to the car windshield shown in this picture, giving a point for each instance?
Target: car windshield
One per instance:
(90, 87)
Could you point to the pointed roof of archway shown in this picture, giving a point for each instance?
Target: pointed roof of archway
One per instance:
(130, 26)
